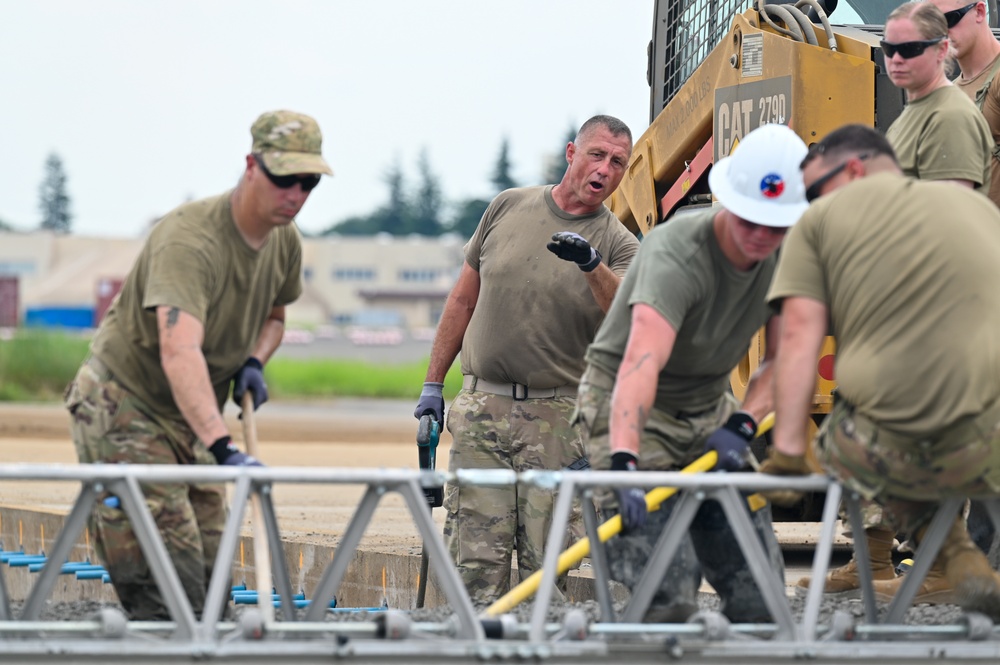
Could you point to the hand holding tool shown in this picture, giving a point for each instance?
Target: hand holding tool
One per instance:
(431, 401)
(631, 500)
(250, 378)
(732, 441)
(780, 464)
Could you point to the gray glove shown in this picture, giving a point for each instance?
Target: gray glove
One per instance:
(431, 401)
(250, 377)
(573, 247)
(631, 500)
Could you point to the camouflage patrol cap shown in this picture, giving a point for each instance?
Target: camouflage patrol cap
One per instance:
(289, 143)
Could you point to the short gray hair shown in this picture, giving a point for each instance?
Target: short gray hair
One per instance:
(612, 124)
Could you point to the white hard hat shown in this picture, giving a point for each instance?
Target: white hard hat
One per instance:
(761, 181)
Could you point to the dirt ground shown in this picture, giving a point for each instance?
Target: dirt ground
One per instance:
(351, 433)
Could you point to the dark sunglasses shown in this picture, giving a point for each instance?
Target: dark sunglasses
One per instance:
(752, 226)
(908, 49)
(308, 182)
(955, 15)
(815, 190)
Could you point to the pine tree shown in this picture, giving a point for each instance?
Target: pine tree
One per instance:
(395, 217)
(427, 209)
(53, 201)
(467, 216)
(501, 178)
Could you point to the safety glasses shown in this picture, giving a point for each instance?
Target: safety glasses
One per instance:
(308, 182)
(908, 50)
(955, 15)
(815, 190)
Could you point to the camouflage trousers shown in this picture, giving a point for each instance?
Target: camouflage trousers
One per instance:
(484, 525)
(669, 442)
(710, 549)
(110, 425)
(872, 517)
(909, 477)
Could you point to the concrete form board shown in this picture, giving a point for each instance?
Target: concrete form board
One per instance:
(373, 578)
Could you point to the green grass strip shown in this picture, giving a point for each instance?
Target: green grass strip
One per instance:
(287, 378)
(37, 365)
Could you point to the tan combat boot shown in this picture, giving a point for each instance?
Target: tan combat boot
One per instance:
(936, 590)
(845, 580)
(976, 584)
(961, 575)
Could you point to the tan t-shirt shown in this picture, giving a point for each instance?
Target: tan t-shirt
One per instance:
(909, 271)
(535, 314)
(196, 260)
(682, 273)
(987, 101)
(943, 136)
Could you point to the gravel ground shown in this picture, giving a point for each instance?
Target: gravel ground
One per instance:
(919, 615)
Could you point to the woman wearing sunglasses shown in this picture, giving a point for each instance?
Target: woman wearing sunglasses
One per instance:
(940, 135)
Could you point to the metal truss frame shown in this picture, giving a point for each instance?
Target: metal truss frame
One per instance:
(306, 637)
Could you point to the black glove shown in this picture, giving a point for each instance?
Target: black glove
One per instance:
(250, 377)
(571, 246)
(431, 401)
(228, 454)
(732, 441)
(631, 500)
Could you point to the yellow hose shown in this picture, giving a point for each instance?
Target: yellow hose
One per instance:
(581, 548)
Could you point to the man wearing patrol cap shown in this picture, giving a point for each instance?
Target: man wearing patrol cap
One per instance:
(289, 143)
(655, 394)
(203, 307)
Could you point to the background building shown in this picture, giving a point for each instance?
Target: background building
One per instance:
(374, 282)
(378, 281)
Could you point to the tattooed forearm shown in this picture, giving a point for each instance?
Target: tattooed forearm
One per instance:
(172, 316)
(638, 422)
(635, 366)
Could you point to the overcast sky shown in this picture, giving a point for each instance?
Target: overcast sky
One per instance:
(150, 103)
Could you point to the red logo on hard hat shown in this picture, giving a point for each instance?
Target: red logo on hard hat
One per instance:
(772, 186)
